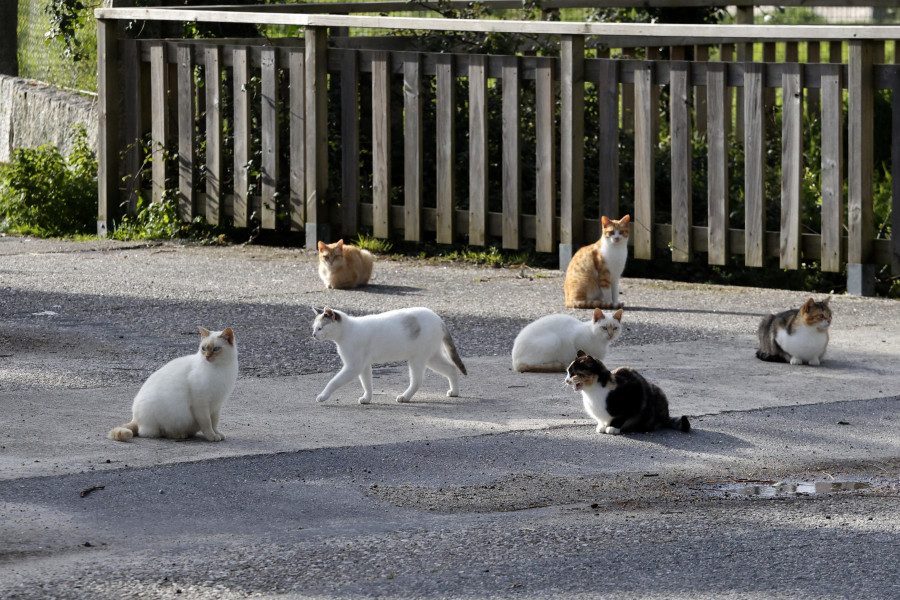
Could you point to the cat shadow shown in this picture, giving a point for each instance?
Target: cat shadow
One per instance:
(391, 290)
(704, 441)
(691, 311)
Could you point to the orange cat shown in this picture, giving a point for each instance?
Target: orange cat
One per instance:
(592, 278)
(344, 266)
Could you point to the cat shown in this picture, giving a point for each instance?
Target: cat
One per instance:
(415, 335)
(621, 401)
(549, 344)
(798, 336)
(344, 266)
(592, 277)
(186, 394)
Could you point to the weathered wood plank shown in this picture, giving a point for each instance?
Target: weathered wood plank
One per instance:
(297, 125)
(381, 144)
(478, 150)
(717, 187)
(159, 106)
(445, 114)
(213, 86)
(511, 159)
(754, 166)
(813, 56)
(571, 148)
(860, 154)
(545, 141)
(608, 136)
(133, 122)
(701, 54)
(832, 209)
(680, 131)
(316, 135)
(645, 113)
(791, 166)
(109, 122)
(895, 169)
(269, 137)
(185, 134)
(413, 148)
(240, 80)
(350, 117)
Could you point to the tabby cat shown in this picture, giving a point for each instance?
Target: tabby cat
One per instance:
(798, 336)
(592, 277)
(344, 266)
(621, 401)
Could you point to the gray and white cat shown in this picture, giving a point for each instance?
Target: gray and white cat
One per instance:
(621, 401)
(415, 335)
(549, 344)
(798, 336)
(186, 394)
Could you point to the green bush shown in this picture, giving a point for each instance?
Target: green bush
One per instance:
(43, 193)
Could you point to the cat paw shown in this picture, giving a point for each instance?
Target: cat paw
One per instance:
(402, 398)
(214, 437)
(321, 398)
(796, 361)
(364, 399)
(815, 362)
(613, 431)
(452, 393)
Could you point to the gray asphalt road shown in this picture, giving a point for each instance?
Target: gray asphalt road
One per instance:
(503, 492)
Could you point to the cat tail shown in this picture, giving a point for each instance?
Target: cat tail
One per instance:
(451, 350)
(592, 304)
(680, 423)
(124, 432)
(770, 357)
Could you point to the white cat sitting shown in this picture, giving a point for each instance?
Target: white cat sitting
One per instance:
(549, 344)
(186, 395)
(415, 335)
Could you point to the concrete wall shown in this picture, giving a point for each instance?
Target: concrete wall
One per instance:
(33, 114)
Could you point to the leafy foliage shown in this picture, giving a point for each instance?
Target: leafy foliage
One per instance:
(42, 193)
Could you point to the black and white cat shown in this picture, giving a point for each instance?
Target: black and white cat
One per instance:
(621, 401)
(415, 335)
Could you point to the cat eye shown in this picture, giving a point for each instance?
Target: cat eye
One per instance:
(216, 349)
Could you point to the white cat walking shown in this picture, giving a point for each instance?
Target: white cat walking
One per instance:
(549, 344)
(186, 395)
(415, 335)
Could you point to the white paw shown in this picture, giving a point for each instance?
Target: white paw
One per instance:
(815, 362)
(796, 361)
(364, 399)
(402, 398)
(215, 437)
(452, 393)
(613, 430)
(321, 398)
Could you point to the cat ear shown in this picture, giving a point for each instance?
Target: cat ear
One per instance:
(203, 332)
(321, 246)
(826, 300)
(625, 220)
(809, 305)
(317, 311)
(581, 353)
(604, 221)
(618, 315)
(334, 316)
(228, 335)
(598, 314)
(340, 244)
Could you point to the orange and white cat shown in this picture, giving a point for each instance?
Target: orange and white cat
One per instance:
(592, 277)
(344, 266)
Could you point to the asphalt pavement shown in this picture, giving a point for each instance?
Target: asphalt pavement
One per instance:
(787, 487)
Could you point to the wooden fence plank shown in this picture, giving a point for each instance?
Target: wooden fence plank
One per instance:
(213, 86)
(381, 144)
(269, 137)
(545, 159)
(860, 154)
(832, 209)
(895, 169)
(108, 123)
(701, 54)
(791, 165)
(350, 177)
(414, 148)
(185, 134)
(241, 79)
(571, 148)
(478, 150)
(133, 122)
(717, 186)
(445, 114)
(297, 125)
(813, 56)
(159, 103)
(680, 131)
(645, 113)
(511, 159)
(754, 165)
(316, 135)
(608, 138)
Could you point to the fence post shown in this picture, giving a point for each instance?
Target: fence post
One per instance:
(571, 155)
(316, 136)
(860, 165)
(109, 98)
(9, 57)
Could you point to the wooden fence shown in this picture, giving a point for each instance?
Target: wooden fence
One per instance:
(266, 108)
